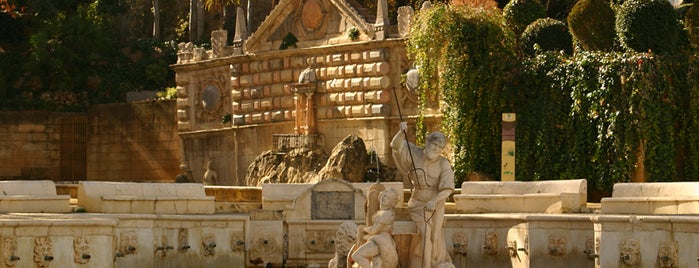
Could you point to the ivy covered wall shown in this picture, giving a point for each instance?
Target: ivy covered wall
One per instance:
(603, 116)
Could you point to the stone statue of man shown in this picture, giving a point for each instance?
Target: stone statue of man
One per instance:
(432, 181)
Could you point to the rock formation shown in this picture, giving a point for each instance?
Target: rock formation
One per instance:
(349, 160)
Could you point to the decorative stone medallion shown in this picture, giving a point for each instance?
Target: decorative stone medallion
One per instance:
(312, 14)
(320, 241)
(208, 244)
(211, 98)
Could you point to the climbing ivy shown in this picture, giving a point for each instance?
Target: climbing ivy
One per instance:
(593, 115)
(465, 57)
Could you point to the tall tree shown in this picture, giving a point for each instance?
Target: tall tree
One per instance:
(220, 6)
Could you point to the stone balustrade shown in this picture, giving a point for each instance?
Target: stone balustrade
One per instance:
(144, 198)
(562, 196)
(653, 198)
(32, 196)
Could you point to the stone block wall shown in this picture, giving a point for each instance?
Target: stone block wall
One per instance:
(31, 145)
(133, 142)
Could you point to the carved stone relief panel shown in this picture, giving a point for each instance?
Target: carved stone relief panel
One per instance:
(238, 242)
(630, 253)
(208, 245)
(590, 247)
(183, 240)
(81, 248)
(332, 205)
(668, 256)
(161, 245)
(490, 244)
(320, 241)
(43, 251)
(460, 243)
(265, 247)
(127, 242)
(209, 104)
(10, 256)
(557, 245)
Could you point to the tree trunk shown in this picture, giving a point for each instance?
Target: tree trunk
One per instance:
(200, 21)
(156, 20)
(192, 20)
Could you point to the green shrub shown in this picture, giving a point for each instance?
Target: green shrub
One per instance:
(644, 25)
(520, 13)
(548, 34)
(591, 24)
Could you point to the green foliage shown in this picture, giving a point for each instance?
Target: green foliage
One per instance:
(548, 34)
(353, 33)
(465, 55)
(691, 24)
(520, 13)
(591, 24)
(648, 25)
(589, 116)
(288, 41)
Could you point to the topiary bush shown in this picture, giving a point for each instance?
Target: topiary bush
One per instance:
(549, 34)
(520, 13)
(591, 24)
(644, 25)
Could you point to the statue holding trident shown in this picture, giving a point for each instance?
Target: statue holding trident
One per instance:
(432, 182)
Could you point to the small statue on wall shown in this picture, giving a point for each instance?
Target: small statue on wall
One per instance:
(379, 250)
(630, 253)
(210, 176)
(43, 251)
(185, 176)
(81, 248)
(10, 252)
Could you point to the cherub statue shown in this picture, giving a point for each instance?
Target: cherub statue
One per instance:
(379, 250)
